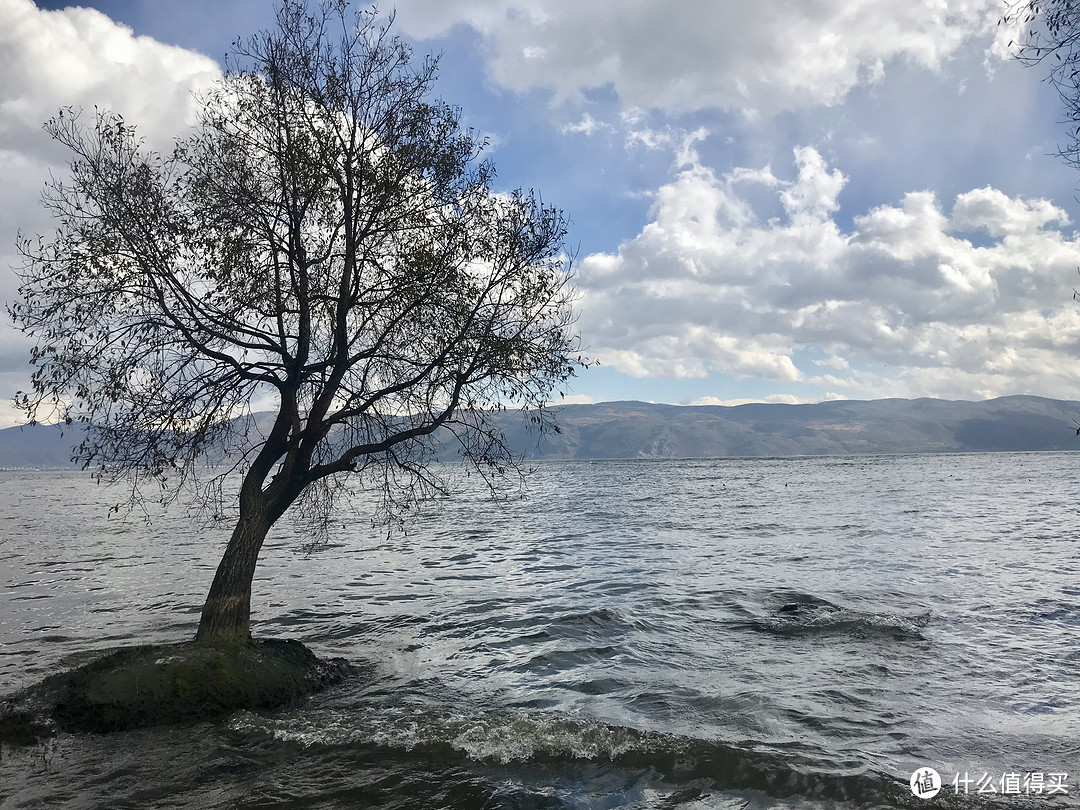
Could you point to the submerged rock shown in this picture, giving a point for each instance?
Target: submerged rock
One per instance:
(168, 683)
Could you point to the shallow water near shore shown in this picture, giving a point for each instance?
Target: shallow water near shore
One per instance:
(747, 633)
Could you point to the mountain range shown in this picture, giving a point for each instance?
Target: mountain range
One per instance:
(649, 430)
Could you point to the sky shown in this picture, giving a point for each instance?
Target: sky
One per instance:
(780, 201)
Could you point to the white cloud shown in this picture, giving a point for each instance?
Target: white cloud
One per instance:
(838, 363)
(80, 58)
(649, 138)
(907, 302)
(783, 399)
(991, 209)
(785, 54)
(586, 125)
(815, 195)
(574, 399)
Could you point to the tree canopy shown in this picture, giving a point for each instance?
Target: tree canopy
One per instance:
(327, 244)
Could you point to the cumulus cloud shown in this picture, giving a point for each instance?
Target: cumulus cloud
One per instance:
(916, 298)
(586, 126)
(79, 58)
(782, 399)
(766, 57)
(574, 399)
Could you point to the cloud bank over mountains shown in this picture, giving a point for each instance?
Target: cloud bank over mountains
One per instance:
(788, 201)
(925, 296)
(743, 274)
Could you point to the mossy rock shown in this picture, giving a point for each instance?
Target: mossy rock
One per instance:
(169, 683)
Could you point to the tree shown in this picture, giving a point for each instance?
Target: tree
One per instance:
(1050, 32)
(326, 242)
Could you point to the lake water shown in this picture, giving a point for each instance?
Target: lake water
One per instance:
(748, 633)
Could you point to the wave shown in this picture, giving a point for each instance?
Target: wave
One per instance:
(807, 615)
(520, 742)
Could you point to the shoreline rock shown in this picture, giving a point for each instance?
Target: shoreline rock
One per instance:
(160, 684)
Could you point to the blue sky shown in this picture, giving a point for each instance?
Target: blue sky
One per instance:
(780, 201)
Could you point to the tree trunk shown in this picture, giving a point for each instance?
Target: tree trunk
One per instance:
(226, 616)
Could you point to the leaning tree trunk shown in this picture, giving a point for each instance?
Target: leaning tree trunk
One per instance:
(226, 616)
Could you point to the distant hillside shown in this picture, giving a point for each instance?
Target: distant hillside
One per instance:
(38, 446)
(644, 430)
